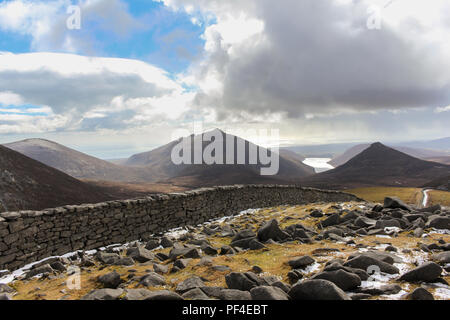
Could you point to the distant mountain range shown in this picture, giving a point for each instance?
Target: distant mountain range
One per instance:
(424, 154)
(379, 165)
(49, 179)
(333, 150)
(157, 166)
(26, 184)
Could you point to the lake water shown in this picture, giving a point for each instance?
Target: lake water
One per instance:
(319, 164)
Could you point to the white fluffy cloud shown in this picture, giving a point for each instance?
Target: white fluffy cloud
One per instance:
(86, 93)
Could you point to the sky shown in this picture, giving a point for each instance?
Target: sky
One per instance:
(125, 76)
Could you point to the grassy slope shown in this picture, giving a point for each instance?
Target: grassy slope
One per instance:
(409, 195)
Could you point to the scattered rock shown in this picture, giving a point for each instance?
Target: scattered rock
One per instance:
(428, 272)
(152, 279)
(387, 289)
(332, 220)
(271, 230)
(343, 279)
(268, 293)
(195, 294)
(442, 258)
(107, 258)
(364, 262)
(163, 295)
(420, 294)
(161, 269)
(140, 254)
(152, 244)
(5, 296)
(257, 269)
(255, 245)
(4, 288)
(302, 262)
(210, 251)
(189, 284)
(181, 263)
(103, 294)
(166, 242)
(242, 281)
(294, 276)
(110, 280)
(395, 203)
(233, 294)
(316, 214)
(317, 289)
(124, 261)
(44, 269)
(438, 222)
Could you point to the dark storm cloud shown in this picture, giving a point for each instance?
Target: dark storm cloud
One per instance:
(318, 57)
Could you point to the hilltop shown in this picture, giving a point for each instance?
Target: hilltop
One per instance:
(379, 165)
(159, 162)
(74, 163)
(26, 184)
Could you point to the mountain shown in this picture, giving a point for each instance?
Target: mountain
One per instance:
(292, 156)
(321, 150)
(26, 184)
(75, 163)
(379, 165)
(442, 183)
(159, 162)
(424, 154)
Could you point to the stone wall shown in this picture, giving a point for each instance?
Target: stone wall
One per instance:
(29, 236)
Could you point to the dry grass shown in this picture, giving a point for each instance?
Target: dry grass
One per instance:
(377, 194)
(272, 260)
(439, 197)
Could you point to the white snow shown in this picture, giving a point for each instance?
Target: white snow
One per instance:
(311, 268)
(438, 231)
(442, 293)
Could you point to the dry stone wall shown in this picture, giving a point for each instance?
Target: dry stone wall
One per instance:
(29, 236)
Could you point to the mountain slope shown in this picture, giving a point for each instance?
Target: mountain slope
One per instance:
(75, 163)
(413, 152)
(26, 184)
(442, 183)
(444, 160)
(160, 164)
(379, 165)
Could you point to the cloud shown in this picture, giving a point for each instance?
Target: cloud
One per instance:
(46, 23)
(8, 98)
(318, 57)
(90, 93)
(443, 109)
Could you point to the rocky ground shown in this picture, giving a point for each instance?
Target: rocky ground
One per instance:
(337, 251)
